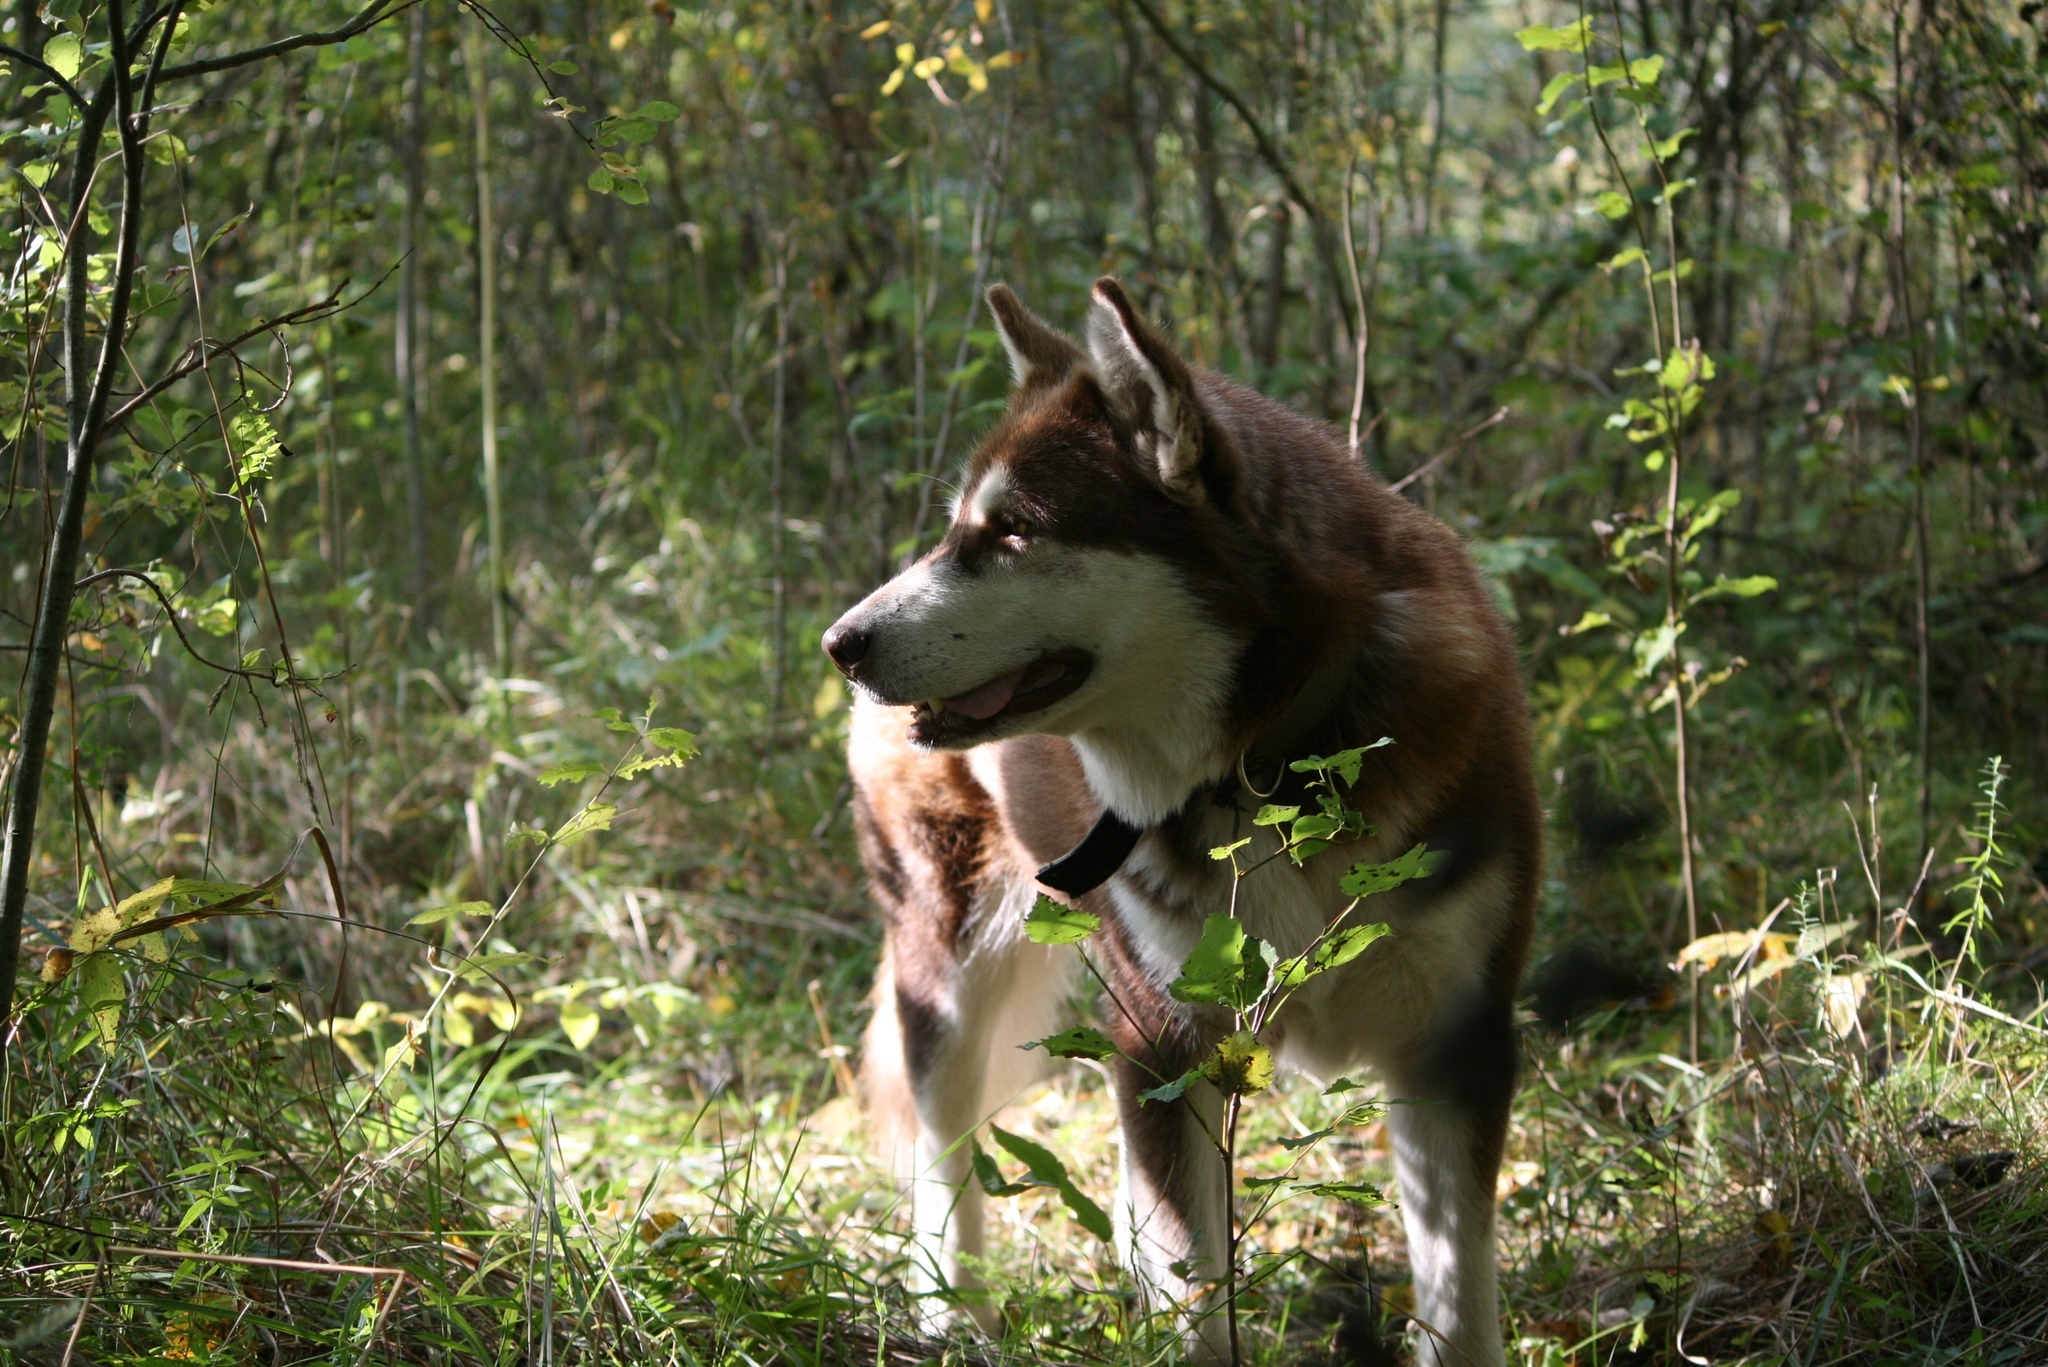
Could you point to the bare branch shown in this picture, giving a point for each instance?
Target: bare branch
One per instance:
(205, 351)
(171, 613)
(367, 17)
(50, 73)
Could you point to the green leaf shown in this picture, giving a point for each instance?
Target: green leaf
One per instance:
(1612, 203)
(1174, 1090)
(434, 916)
(1334, 952)
(613, 722)
(1270, 815)
(660, 111)
(595, 817)
(1212, 971)
(1343, 1085)
(1554, 89)
(1750, 586)
(573, 772)
(1225, 851)
(602, 181)
(102, 991)
(674, 738)
(1047, 1170)
(1346, 764)
(1358, 1193)
(635, 131)
(1667, 148)
(1573, 37)
(1049, 923)
(200, 1205)
(1365, 880)
(480, 967)
(632, 192)
(257, 447)
(65, 54)
(564, 68)
(990, 1177)
(1627, 256)
(1082, 1041)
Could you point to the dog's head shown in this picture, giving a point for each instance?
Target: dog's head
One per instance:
(1079, 587)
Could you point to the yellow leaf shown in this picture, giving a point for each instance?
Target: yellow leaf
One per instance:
(876, 29)
(658, 1223)
(579, 1022)
(1241, 1065)
(1003, 59)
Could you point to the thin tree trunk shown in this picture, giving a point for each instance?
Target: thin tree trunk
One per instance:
(1436, 117)
(1916, 445)
(777, 620)
(406, 359)
(487, 329)
(86, 386)
(1267, 343)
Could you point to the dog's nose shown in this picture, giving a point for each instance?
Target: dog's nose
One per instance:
(848, 646)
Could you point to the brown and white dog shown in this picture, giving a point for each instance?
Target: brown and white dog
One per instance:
(1154, 579)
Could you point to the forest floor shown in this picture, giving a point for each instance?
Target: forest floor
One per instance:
(608, 1115)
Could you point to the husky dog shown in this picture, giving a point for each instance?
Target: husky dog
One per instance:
(1157, 588)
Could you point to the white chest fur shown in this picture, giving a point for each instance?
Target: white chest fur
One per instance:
(1380, 1006)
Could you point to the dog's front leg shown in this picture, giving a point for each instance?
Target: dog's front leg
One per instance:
(942, 1051)
(1173, 1208)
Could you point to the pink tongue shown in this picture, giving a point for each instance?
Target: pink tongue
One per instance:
(984, 702)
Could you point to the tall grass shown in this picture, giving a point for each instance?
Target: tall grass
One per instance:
(281, 1157)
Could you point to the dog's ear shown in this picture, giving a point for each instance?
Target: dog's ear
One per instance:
(1149, 386)
(1039, 352)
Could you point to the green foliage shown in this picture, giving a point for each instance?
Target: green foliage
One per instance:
(611, 912)
(1049, 923)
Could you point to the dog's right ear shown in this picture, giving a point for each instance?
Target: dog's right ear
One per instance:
(1039, 352)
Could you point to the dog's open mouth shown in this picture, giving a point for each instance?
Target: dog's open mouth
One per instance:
(1028, 688)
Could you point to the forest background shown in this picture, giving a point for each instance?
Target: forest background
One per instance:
(440, 929)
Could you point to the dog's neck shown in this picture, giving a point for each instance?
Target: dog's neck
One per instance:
(1137, 795)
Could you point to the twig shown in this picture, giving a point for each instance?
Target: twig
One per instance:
(204, 352)
(15, 54)
(171, 614)
(365, 18)
(1500, 415)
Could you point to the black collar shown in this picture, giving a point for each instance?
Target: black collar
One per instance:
(1103, 850)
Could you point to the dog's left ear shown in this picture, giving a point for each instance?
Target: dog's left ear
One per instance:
(1150, 387)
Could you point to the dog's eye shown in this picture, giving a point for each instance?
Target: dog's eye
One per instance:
(1013, 528)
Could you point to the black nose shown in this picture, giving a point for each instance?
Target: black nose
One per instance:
(847, 646)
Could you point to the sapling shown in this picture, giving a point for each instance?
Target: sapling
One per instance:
(1243, 983)
(1646, 550)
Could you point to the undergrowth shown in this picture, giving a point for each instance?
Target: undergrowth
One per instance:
(627, 1132)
